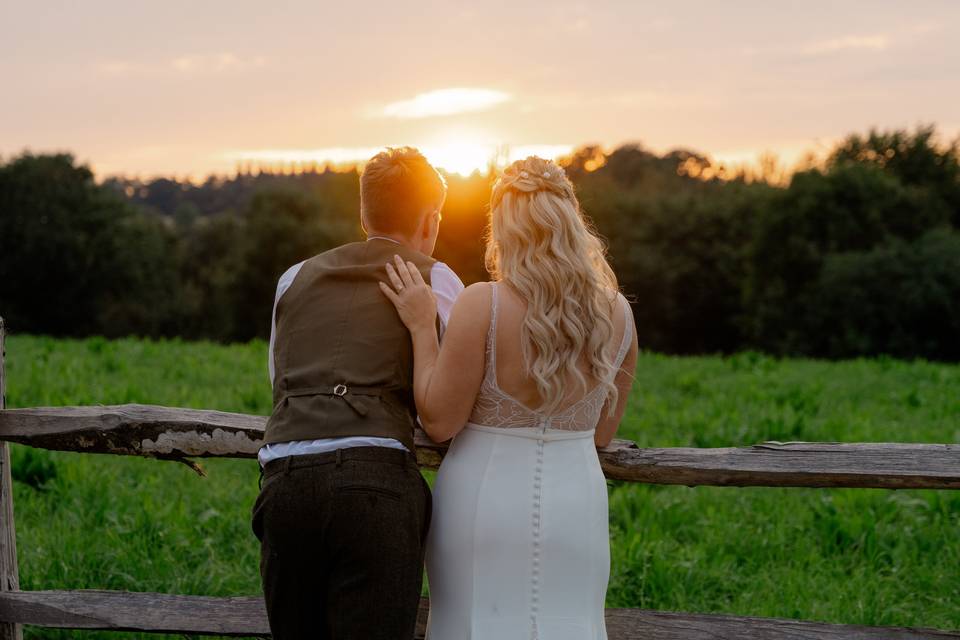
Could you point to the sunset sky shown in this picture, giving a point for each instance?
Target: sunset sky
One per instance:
(186, 88)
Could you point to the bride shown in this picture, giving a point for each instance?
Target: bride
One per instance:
(533, 375)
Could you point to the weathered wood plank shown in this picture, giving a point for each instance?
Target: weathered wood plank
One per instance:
(125, 611)
(638, 624)
(884, 465)
(246, 616)
(136, 429)
(165, 432)
(9, 572)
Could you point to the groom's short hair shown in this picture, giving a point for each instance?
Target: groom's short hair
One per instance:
(396, 186)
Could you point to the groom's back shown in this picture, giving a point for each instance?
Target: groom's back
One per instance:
(343, 359)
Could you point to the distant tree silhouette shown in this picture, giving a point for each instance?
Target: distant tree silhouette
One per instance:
(855, 255)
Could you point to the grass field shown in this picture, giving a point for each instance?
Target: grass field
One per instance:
(850, 556)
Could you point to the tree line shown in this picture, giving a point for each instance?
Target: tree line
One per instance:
(856, 255)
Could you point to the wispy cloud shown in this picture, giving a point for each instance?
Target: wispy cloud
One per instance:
(445, 102)
(216, 63)
(847, 43)
(873, 43)
(205, 63)
(620, 99)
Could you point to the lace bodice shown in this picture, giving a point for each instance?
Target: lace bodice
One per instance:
(496, 408)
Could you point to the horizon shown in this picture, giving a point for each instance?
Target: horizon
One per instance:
(186, 91)
(766, 165)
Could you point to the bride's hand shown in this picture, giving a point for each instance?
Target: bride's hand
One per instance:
(412, 297)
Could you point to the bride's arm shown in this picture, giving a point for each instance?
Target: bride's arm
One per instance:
(445, 379)
(607, 427)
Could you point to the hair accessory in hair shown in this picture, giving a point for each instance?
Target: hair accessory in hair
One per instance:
(546, 174)
(524, 174)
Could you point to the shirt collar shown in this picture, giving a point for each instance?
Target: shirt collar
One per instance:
(383, 238)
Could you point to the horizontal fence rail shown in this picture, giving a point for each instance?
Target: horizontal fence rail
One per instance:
(246, 616)
(179, 434)
(182, 434)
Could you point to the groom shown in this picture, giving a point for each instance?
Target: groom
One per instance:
(343, 511)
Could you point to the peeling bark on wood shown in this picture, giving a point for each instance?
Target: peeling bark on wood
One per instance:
(172, 433)
(246, 616)
(135, 429)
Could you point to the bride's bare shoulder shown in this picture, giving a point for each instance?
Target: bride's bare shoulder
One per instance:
(476, 295)
(472, 307)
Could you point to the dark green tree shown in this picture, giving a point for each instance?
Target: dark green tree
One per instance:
(76, 259)
(210, 265)
(917, 159)
(852, 207)
(901, 299)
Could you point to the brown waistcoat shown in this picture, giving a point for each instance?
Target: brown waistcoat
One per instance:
(343, 359)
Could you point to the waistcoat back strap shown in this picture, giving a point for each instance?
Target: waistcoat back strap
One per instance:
(339, 391)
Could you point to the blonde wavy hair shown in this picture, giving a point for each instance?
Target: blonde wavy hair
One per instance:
(539, 243)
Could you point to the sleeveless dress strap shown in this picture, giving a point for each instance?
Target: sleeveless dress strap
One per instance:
(627, 333)
(492, 331)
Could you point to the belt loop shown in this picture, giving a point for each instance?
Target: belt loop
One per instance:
(339, 457)
(286, 465)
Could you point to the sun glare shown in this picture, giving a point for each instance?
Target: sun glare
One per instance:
(461, 155)
(466, 156)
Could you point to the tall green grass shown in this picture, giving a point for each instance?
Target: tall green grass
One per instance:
(848, 556)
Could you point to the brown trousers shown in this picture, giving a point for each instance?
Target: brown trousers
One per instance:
(342, 539)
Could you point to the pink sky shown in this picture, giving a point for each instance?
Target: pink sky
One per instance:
(186, 88)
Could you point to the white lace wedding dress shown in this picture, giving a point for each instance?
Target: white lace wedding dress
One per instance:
(519, 545)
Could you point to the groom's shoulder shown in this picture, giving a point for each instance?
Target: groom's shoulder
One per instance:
(341, 255)
(363, 255)
(330, 257)
(347, 249)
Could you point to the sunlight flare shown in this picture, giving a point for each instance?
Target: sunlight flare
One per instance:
(454, 155)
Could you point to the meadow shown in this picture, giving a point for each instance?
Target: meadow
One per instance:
(876, 557)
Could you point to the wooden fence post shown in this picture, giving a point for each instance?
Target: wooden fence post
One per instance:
(9, 572)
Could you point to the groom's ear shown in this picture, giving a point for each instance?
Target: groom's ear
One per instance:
(431, 220)
(427, 222)
(423, 228)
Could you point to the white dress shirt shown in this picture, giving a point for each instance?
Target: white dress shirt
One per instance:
(446, 287)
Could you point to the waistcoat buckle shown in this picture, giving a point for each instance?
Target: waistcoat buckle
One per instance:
(340, 390)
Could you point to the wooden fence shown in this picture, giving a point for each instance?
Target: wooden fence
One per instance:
(180, 434)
